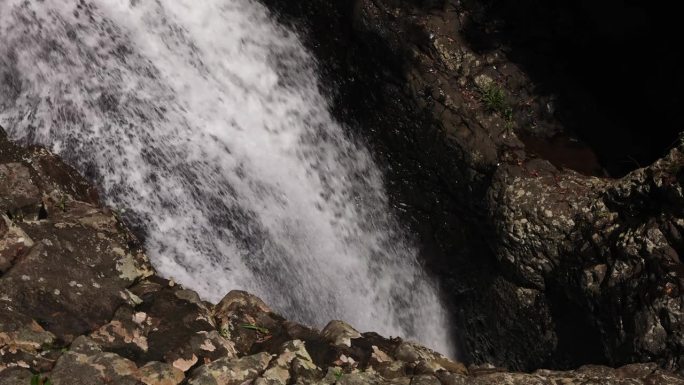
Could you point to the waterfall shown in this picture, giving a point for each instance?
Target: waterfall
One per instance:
(203, 123)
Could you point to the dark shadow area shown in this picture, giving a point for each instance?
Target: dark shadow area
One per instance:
(579, 341)
(609, 64)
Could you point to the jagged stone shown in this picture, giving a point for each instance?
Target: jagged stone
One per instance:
(240, 300)
(246, 320)
(86, 364)
(22, 342)
(144, 331)
(359, 378)
(590, 375)
(340, 333)
(15, 376)
(35, 361)
(426, 360)
(125, 333)
(293, 364)
(19, 331)
(85, 345)
(189, 336)
(57, 280)
(391, 369)
(425, 379)
(385, 365)
(226, 371)
(14, 243)
(17, 190)
(448, 378)
(302, 366)
(159, 373)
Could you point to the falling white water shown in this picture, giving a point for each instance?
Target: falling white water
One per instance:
(203, 120)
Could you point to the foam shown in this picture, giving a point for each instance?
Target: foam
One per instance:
(203, 121)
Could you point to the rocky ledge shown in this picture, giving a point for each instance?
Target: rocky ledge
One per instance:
(546, 261)
(81, 305)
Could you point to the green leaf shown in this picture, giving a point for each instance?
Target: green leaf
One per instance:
(37, 379)
(255, 327)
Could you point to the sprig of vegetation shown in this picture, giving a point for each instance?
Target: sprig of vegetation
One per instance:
(256, 328)
(494, 99)
(224, 332)
(37, 379)
(62, 203)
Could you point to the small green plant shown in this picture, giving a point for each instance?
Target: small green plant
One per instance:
(338, 374)
(62, 203)
(224, 332)
(37, 379)
(494, 99)
(256, 328)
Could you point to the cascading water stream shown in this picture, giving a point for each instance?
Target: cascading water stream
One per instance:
(202, 119)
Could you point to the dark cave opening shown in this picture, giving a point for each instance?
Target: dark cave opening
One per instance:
(610, 65)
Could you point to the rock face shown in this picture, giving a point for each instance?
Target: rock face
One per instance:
(81, 305)
(546, 261)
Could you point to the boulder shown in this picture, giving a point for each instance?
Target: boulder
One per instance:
(230, 371)
(340, 333)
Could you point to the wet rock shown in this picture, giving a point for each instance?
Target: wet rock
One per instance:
(17, 190)
(28, 335)
(159, 373)
(247, 321)
(126, 334)
(230, 371)
(188, 337)
(86, 364)
(358, 378)
(168, 324)
(426, 360)
(391, 369)
(340, 333)
(14, 243)
(448, 378)
(23, 342)
(60, 255)
(56, 279)
(293, 364)
(425, 379)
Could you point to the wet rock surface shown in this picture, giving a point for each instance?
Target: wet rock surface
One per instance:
(545, 260)
(81, 305)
